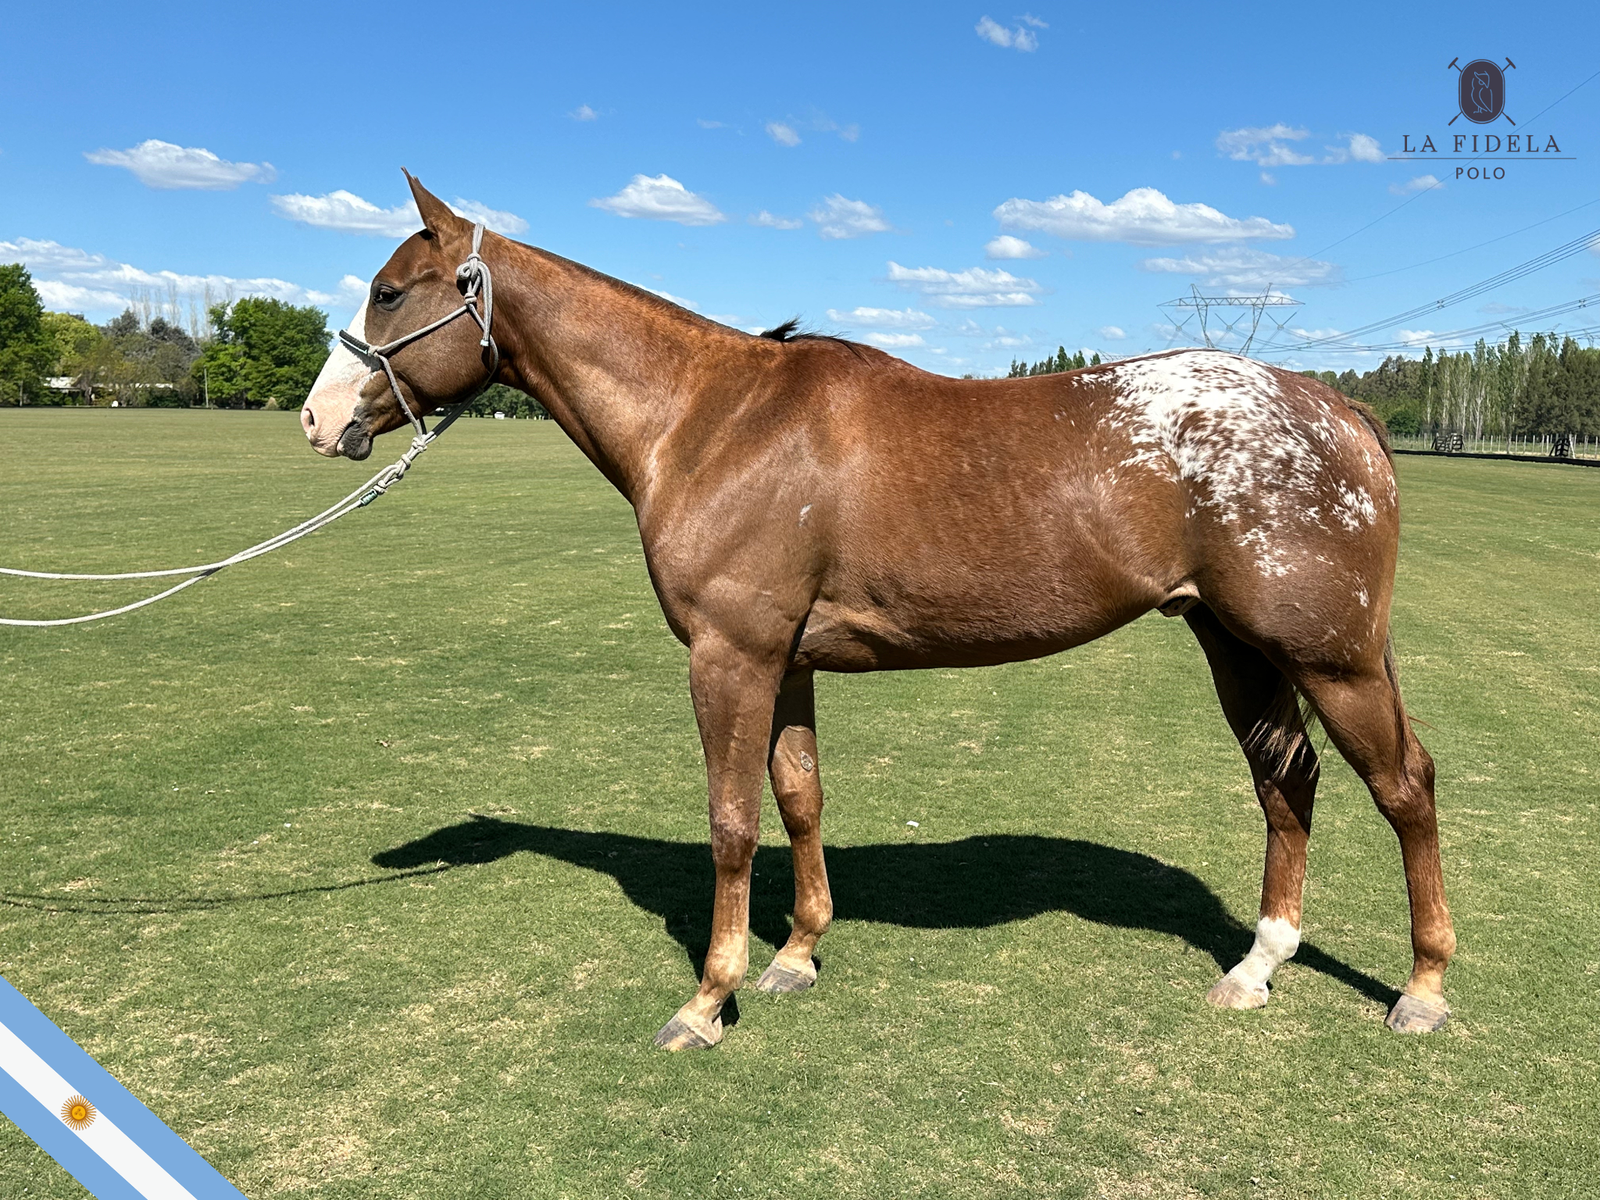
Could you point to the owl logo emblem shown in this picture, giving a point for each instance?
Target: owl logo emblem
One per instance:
(1481, 91)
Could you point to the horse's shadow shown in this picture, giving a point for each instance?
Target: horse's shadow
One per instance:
(969, 884)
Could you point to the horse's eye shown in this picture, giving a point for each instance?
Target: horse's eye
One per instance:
(385, 296)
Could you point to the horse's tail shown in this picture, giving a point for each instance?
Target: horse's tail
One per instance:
(1281, 739)
(1402, 719)
(1374, 423)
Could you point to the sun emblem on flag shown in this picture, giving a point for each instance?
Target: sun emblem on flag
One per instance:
(78, 1113)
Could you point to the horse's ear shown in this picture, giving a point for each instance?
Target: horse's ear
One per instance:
(436, 215)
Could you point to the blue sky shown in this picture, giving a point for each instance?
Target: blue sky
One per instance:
(860, 166)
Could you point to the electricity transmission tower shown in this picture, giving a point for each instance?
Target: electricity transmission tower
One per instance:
(1195, 305)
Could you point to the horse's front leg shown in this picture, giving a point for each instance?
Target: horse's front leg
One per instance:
(734, 692)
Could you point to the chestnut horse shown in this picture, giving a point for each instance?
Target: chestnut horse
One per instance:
(807, 504)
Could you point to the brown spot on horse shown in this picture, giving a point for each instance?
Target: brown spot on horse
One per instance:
(809, 504)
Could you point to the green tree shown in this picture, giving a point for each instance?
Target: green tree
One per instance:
(74, 342)
(1056, 363)
(26, 349)
(497, 397)
(144, 364)
(264, 352)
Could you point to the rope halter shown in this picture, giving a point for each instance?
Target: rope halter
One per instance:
(478, 303)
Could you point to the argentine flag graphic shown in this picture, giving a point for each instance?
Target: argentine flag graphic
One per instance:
(87, 1121)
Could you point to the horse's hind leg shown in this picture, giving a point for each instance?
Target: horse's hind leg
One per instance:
(1364, 716)
(796, 782)
(1263, 711)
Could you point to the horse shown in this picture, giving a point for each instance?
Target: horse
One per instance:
(807, 503)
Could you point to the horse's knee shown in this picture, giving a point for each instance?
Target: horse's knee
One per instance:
(733, 843)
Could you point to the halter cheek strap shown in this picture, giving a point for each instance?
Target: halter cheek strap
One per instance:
(477, 302)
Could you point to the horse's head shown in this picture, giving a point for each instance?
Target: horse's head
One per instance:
(352, 401)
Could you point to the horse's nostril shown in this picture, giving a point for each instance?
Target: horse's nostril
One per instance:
(308, 419)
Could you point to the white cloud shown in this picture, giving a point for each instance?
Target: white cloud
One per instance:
(973, 288)
(1417, 337)
(787, 131)
(1030, 19)
(1247, 267)
(705, 124)
(1143, 217)
(768, 220)
(992, 31)
(349, 213)
(70, 279)
(161, 164)
(584, 113)
(59, 296)
(896, 341)
(837, 217)
(1264, 145)
(1111, 333)
(1268, 178)
(661, 198)
(678, 300)
(883, 318)
(1006, 246)
(1360, 148)
(490, 218)
(1421, 183)
(1006, 341)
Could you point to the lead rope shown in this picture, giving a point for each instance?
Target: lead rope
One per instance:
(475, 273)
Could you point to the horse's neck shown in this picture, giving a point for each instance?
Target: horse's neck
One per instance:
(613, 366)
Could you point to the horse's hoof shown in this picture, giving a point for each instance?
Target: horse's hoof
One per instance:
(1411, 1015)
(1232, 992)
(779, 978)
(678, 1034)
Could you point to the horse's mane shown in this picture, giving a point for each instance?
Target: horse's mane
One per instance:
(790, 331)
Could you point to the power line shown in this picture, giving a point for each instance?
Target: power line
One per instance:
(1510, 275)
(1468, 249)
(1440, 339)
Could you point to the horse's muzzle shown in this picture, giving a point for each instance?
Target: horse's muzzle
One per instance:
(355, 442)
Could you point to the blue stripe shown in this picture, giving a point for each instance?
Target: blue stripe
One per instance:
(176, 1156)
(52, 1135)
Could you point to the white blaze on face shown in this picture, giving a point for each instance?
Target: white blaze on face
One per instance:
(332, 403)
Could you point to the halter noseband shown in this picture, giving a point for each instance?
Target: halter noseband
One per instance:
(480, 287)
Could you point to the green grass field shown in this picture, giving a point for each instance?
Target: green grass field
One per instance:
(373, 866)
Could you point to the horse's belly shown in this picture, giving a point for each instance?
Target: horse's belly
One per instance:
(843, 636)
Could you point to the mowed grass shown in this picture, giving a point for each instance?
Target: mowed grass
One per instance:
(373, 866)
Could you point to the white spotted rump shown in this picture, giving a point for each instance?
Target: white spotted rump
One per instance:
(1257, 453)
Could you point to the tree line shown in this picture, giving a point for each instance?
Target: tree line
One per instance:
(1054, 364)
(1546, 386)
(254, 352)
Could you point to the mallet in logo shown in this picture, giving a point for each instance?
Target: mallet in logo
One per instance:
(1481, 91)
